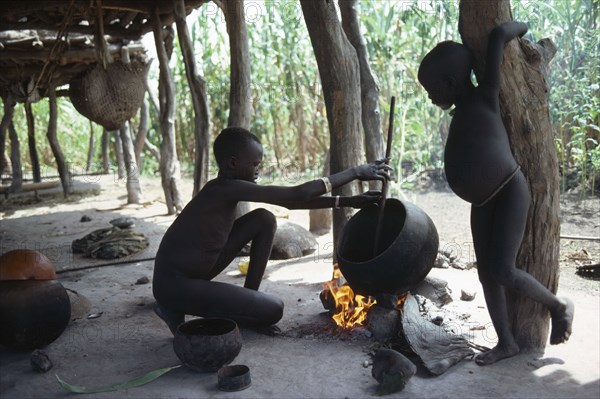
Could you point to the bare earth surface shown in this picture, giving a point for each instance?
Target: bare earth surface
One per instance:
(310, 358)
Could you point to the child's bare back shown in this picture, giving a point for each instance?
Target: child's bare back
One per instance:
(194, 241)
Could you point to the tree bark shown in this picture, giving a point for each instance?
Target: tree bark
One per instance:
(105, 154)
(9, 110)
(91, 145)
(15, 159)
(33, 154)
(134, 190)
(239, 93)
(340, 77)
(199, 99)
(121, 169)
(369, 91)
(142, 137)
(142, 133)
(524, 102)
(240, 106)
(320, 219)
(169, 164)
(61, 165)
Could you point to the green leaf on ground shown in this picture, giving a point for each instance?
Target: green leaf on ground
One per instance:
(136, 382)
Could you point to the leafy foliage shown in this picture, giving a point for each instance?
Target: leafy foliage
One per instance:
(289, 113)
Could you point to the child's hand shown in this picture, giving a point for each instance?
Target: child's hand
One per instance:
(364, 199)
(377, 170)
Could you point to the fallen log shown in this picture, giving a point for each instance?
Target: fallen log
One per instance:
(583, 238)
(31, 187)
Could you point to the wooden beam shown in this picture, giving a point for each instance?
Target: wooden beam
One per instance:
(69, 55)
(31, 186)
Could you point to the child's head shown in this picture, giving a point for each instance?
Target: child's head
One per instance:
(238, 153)
(445, 71)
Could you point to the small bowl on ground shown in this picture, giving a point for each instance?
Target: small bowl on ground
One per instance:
(206, 345)
(233, 378)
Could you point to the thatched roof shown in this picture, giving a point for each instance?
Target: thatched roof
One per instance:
(45, 43)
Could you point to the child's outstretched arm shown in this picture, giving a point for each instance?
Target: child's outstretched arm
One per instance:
(241, 190)
(355, 201)
(499, 36)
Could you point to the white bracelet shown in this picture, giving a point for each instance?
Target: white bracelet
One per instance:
(327, 183)
(337, 202)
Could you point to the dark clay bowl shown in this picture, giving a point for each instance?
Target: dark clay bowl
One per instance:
(33, 313)
(233, 378)
(407, 251)
(206, 345)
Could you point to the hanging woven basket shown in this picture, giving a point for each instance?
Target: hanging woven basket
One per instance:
(110, 97)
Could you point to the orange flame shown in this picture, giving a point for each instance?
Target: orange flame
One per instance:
(401, 300)
(351, 310)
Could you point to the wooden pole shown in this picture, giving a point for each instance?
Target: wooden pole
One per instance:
(384, 189)
(33, 154)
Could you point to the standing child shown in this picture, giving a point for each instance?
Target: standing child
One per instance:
(481, 169)
(206, 237)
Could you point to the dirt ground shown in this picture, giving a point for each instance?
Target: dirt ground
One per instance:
(310, 358)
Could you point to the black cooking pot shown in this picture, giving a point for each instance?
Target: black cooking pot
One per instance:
(33, 313)
(407, 250)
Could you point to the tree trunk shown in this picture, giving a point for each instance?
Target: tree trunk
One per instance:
(369, 91)
(141, 139)
(169, 164)
(134, 190)
(33, 154)
(340, 78)
(240, 106)
(105, 154)
(61, 165)
(121, 169)
(320, 219)
(524, 102)
(15, 159)
(199, 100)
(142, 133)
(91, 145)
(9, 110)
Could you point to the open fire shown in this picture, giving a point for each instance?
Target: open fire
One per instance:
(349, 309)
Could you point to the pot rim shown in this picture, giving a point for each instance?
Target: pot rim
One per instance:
(409, 211)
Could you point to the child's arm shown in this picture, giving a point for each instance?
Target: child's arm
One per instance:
(241, 190)
(355, 201)
(499, 36)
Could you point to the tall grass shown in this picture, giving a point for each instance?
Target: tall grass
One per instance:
(288, 109)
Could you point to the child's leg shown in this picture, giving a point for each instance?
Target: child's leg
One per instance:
(510, 217)
(494, 292)
(216, 299)
(258, 226)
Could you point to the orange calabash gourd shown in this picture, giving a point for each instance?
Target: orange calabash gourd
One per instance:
(26, 264)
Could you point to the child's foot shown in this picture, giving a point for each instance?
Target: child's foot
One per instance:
(562, 322)
(271, 331)
(172, 318)
(496, 353)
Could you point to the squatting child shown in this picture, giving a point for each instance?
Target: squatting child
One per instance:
(206, 236)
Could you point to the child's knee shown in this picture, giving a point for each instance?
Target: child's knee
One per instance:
(271, 310)
(503, 275)
(266, 219)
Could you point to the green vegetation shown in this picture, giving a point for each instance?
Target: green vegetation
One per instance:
(289, 112)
